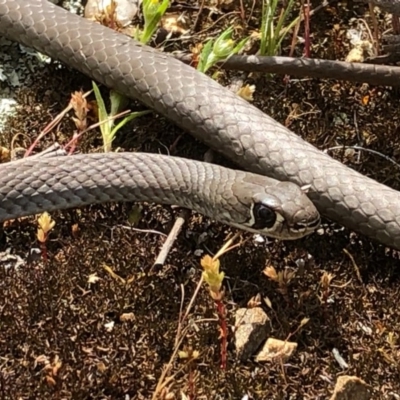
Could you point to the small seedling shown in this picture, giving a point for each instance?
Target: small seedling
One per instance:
(190, 356)
(108, 128)
(153, 11)
(282, 278)
(273, 31)
(326, 280)
(46, 224)
(81, 108)
(213, 278)
(219, 50)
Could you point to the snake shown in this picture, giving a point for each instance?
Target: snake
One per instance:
(251, 202)
(201, 106)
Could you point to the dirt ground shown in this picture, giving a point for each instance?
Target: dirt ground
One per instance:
(66, 335)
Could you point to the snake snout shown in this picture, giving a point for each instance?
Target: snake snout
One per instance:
(300, 217)
(306, 220)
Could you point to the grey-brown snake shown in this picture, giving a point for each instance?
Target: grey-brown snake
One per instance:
(201, 106)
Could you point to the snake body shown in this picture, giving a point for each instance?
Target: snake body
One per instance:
(213, 114)
(229, 196)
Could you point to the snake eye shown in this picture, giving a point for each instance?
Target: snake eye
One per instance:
(264, 217)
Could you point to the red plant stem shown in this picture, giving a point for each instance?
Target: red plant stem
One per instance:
(43, 249)
(307, 46)
(74, 142)
(224, 331)
(192, 391)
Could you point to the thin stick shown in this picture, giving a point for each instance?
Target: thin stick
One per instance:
(355, 266)
(310, 67)
(356, 147)
(55, 150)
(164, 380)
(166, 248)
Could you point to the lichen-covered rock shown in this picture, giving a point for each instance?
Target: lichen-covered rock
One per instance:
(275, 349)
(251, 330)
(351, 388)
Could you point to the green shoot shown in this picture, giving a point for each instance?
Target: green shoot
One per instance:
(273, 33)
(153, 11)
(109, 129)
(220, 49)
(212, 276)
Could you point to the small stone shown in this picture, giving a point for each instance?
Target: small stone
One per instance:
(251, 331)
(125, 317)
(351, 388)
(275, 349)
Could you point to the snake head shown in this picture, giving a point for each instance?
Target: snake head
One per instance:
(276, 209)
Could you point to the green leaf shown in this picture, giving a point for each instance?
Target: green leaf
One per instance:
(107, 129)
(153, 11)
(130, 117)
(204, 55)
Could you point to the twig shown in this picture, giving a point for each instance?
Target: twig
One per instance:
(356, 147)
(294, 38)
(242, 11)
(307, 45)
(309, 67)
(253, 6)
(180, 220)
(131, 228)
(376, 27)
(164, 380)
(55, 150)
(196, 22)
(355, 266)
(180, 321)
(229, 246)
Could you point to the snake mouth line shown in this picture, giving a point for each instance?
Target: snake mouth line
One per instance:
(310, 225)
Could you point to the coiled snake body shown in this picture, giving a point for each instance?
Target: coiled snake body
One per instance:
(201, 106)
